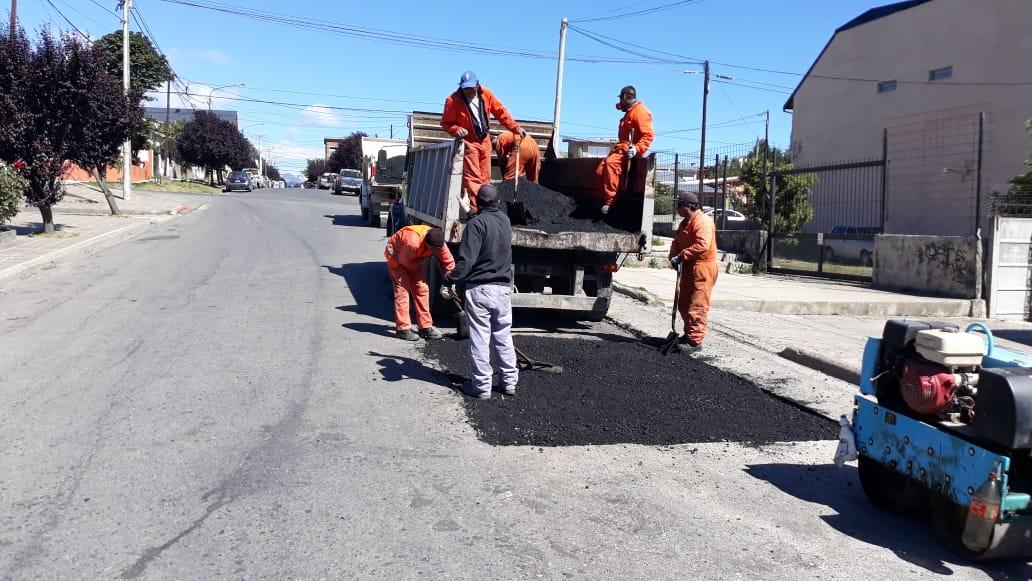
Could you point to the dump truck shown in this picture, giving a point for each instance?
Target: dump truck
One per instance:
(383, 167)
(567, 272)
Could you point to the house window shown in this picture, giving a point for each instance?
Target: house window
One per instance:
(886, 86)
(940, 74)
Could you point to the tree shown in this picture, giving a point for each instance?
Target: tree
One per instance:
(348, 154)
(316, 167)
(44, 90)
(108, 117)
(271, 172)
(213, 143)
(12, 190)
(1018, 198)
(148, 68)
(792, 205)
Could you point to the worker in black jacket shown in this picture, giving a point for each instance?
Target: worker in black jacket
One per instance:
(483, 268)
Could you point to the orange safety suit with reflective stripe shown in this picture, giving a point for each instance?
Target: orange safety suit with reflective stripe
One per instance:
(639, 120)
(406, 254)
(476, 166)
(696, 243)
(530, 155)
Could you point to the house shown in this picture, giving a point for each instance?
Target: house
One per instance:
(934, 77)
(330, 145)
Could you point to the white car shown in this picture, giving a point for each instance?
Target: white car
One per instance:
(729, 215)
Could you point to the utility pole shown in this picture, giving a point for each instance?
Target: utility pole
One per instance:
(392, 131)
(702, 146)
(14, 16)
(554, 147)
(127, 147)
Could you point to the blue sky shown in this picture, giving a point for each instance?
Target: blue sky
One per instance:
(310, 72)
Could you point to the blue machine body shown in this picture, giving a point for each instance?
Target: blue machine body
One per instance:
(936, 455)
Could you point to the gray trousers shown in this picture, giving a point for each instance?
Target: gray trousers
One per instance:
(489, 312)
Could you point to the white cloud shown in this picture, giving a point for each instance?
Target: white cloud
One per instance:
(319, 114)
(206, 55)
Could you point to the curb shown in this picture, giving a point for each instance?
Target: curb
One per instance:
(17, 269)
(639, 295)
(818, 362)
(929, 308)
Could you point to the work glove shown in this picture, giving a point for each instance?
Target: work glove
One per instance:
(447, 292)
(464, 204)
(676, 262)
(461, 132)
(605, 210)
(522, 132)
(632, 151)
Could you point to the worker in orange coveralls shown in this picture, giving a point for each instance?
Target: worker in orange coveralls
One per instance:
(406, 253)
(466, 115)
(694, 252)
(635, 136)
(530, 155)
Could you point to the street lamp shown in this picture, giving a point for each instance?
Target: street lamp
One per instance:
(212, 92)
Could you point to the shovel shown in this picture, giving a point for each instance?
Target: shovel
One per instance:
(526, 363)
(517, 210)
(671, 340)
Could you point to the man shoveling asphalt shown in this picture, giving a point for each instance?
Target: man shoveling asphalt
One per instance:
(406, 253)
(483, 267)
(694, 250)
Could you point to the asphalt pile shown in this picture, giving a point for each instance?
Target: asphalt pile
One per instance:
(543, 209)
(616, 390)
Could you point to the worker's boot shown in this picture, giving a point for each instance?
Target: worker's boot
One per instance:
(468, 389)
(430, 334)
(687, 346)
(408, 335)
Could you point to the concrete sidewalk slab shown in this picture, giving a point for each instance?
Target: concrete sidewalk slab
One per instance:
(800, 296)
(87, 200)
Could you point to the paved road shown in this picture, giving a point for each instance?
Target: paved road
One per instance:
(219, 397)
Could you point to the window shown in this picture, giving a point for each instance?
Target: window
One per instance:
(886, 86)
(940, 74)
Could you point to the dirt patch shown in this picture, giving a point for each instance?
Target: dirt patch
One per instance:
(543, 209)
(615, 391)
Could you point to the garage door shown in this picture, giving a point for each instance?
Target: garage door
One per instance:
(1012, 255)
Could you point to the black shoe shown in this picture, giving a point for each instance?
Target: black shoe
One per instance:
(687, 346)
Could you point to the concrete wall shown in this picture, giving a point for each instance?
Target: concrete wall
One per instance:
(947, 266)
(747, 244)
(932, 125)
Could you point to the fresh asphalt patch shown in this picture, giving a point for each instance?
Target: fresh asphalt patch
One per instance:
(615, 390)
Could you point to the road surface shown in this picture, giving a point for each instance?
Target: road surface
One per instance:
(220, 396)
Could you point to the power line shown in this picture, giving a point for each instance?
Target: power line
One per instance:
(338, 96)
(66, 19)
(102, 7)
(380, 35)
(638, 12)
(778, 91)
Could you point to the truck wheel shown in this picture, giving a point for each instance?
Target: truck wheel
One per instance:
(866, 259)
(889, 490)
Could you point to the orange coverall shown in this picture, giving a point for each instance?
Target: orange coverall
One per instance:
(638, 119)
(476, 166)
(696, 242)
(406, 254)
(530, 155)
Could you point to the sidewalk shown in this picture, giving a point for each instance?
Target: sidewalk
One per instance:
(799, 296)
(832, 344)
(82, 220)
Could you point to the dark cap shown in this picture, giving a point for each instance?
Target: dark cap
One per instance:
(629, 90)
(487, 195)
(435, 237)
(687, 199)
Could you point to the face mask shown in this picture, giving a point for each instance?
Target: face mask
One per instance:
(619, 107)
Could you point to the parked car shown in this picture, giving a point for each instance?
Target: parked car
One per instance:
(729, 215)
(238, 180)
(255, 177)
(850, 244)
(326, 181)
(349, 181)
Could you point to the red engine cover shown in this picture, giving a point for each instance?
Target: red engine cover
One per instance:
(927, 388)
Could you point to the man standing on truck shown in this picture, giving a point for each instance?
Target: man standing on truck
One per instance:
(406, 253)
(466, 116)
(694, 252)
(635, 136)
(483, 268)
(506, 145)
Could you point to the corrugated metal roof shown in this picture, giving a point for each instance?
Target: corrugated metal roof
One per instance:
(869, 16)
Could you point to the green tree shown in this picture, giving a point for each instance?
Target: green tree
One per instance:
(12, 190)
(1018, 198)
(272, 172)
(348, 154)
(212, 143)
(316, 167)
(793, 208)
(148, 68)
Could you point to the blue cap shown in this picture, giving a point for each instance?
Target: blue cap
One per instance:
(468, 80)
